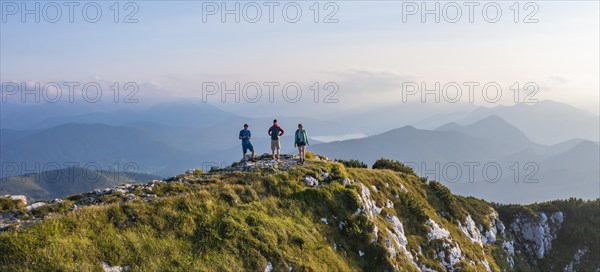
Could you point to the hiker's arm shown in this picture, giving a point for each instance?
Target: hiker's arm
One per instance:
(281, 131)
(306, 138)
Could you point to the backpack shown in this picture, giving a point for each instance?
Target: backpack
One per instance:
(300, 138)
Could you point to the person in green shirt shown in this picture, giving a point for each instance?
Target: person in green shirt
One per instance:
(301, 141)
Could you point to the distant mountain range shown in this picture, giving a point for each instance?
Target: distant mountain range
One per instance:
(175, 114)
(467, 159)
(170, 137)
(547, 122)
(91, 143)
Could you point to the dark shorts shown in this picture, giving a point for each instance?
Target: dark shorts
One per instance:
(246, 147)
(301, 144)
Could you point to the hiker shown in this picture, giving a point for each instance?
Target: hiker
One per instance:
(275, 132)
(301, 141)
(245, 136)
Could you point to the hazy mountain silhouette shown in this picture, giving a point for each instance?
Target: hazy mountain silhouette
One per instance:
(93, 143)
(179, 113)
(546, 122)
(410, 144)
(503, 137)
(529, 171)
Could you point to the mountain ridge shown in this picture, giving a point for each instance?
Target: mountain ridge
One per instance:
(322, 215)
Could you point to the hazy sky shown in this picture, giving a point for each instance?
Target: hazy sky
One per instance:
(369, 53)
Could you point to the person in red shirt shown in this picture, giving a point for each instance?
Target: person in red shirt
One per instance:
(275, 132)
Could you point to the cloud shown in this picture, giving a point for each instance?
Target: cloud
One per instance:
(559, 79)
(371, 80)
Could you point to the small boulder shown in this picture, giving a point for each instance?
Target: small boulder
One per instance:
(310, 181)
(119, 191)
(108, 268)
(347, 181)
(36, 205)
(269, 267)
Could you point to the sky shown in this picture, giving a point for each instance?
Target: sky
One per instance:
(359, 55)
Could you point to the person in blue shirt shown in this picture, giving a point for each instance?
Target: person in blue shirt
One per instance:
(245, 136)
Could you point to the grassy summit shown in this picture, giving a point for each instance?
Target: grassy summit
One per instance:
(356, 219)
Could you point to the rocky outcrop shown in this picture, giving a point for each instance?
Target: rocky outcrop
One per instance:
(572, 266)
(495, 228)
(536, 232)
(264, 161)
(369, 207)
(471, 231)
(449, 253)
(436, 232)
(397, 240)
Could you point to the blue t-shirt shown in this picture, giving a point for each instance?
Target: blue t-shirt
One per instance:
(245, 134)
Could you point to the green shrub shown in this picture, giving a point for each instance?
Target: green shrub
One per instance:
(170, 188)
(338, 171)
(7, 204)
(229, 196)
(52, 208)
(393, 165)
(360, 227)
(353, 163)
(412, 206)
(447, 201)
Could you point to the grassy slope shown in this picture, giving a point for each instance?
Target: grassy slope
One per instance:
(239, 221)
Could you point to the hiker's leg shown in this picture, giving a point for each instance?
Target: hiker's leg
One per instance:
(278, 147)
(251, 149)
(273, 149)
